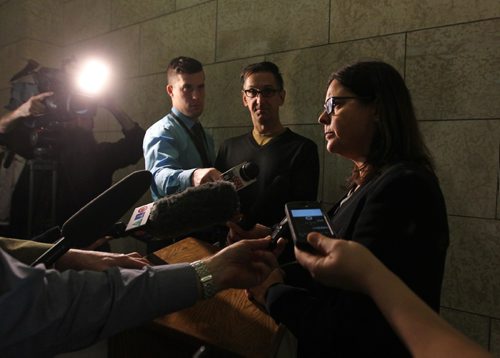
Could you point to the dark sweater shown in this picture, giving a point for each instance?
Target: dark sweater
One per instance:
(288, 171)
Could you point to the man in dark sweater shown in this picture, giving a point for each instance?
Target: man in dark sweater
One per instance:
(288, 162)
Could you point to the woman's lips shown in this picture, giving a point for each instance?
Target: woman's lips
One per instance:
(329, 135)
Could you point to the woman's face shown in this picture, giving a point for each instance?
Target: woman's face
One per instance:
(349, 129)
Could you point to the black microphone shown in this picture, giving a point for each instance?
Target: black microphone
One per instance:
(242, 175)
(98, 216)
(196, 208)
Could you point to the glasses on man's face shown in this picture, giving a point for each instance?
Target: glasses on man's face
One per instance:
(254, 92)
(332, 104)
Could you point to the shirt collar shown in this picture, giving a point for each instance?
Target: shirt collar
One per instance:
(187, 120)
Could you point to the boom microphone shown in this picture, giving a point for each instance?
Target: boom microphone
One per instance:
(98, 216)
(242, 175)
(196, 208)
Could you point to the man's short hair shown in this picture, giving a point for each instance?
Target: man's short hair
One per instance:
(265, 66)
(183, 64)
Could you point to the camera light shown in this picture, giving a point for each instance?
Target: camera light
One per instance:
(92, 77)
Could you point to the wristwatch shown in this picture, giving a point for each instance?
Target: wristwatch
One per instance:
(206, 279)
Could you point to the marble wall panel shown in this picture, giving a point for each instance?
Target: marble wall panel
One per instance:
(314, 133)
(126, 12)
(252, 28)
(473, 326)
(84, 19)
(44, 20)
(453, 71)
(471, 274)
(33, 19)
(181, 4)
(223, 106)
(142, 98)
(119, 49)
(190, 32)
(220, 134)
(145, 99)
(366, 18)
(15, 55)
(466, 155)
(306, 72)
(11, 17)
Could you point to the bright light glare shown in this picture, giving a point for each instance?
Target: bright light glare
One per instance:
(92, 77)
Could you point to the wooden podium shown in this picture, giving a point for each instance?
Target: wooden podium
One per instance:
(228, 324)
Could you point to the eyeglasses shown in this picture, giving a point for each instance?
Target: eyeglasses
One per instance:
(332, 103)
(266, 92)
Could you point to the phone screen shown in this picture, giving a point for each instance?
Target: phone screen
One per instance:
(307, 220)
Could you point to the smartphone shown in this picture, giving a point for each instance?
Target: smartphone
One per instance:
(304, 217)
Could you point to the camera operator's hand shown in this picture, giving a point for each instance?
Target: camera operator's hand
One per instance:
(33, 107)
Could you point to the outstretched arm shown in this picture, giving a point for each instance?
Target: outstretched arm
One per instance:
(123, 118)
(349, 265)
(32, 107)
(70, 310)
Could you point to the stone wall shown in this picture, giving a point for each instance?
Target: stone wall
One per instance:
(448, 52)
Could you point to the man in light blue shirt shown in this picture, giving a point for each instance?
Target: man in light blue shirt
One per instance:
(177, 151)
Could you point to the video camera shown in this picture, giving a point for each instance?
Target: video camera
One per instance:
(68, 102)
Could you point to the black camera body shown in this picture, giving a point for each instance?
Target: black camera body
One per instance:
(65, 105)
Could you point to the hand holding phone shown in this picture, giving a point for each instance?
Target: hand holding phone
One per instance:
(305, 217)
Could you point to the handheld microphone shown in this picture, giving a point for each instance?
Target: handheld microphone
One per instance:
(242, 175)
(98, 216)
(196, 208)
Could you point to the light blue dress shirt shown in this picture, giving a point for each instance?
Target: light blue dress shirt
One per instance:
(171, 156)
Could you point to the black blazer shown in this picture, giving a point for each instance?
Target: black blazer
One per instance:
(400, 216)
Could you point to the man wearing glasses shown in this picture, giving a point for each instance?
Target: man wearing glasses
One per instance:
(288, 162)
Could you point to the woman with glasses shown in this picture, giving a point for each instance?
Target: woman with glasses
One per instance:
(394, 207)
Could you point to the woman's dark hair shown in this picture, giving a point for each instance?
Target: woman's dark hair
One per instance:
(397, 137)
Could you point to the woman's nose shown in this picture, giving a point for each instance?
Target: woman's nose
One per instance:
(324, 118)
